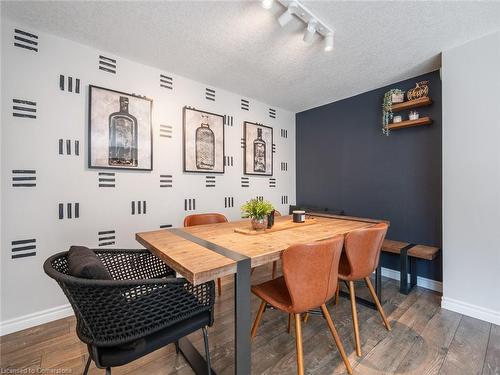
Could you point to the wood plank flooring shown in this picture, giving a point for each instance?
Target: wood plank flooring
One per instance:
(424, 340)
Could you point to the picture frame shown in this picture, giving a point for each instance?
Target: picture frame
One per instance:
(258, 153)
(120, 130)
(203, 140)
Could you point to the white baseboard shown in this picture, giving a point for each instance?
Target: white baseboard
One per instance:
(37, 318)
(421, 281)
(468, 309)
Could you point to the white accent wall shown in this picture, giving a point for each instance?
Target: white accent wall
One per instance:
(471, 178)
(30, 215)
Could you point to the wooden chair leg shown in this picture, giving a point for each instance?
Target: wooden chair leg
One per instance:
(298, 345)
(219, 286)
(337, 292)
(336, 337)
(355, 318)
(289, 329)
(377, 303)
(275, 267)
(306, 317)
(262, 307)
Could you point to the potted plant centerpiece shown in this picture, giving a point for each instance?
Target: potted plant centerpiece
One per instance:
(257, 210)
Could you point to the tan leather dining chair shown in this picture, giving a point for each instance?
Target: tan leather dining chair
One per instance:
(201, 219)
(310, 275)
(358, 261)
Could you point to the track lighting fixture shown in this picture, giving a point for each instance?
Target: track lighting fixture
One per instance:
(267, 4)
(287, 16)
(329, 42)
(310, 31)
(313, 25)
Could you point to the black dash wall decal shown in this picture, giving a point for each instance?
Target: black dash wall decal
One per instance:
(166, 180)
(209, 181)
(62, 86)
(274, 148)
(245, 182)
(166, 131)
(166, 82)
(23, 248)
(228, 202)
(284, 166)
(272, 113)
(24, 108)
(210, 94)
(106, 238)
(284, 133)
(107, 64)
(68, 147)
(189, 204)
(245, 104)
(228, 161)
(72, 210)
(106, 179)
(77, 148)
(284, 199)
(141, 207)
(163, 226)
(260, 197)
(228, 120)
(243, 145)
(23, 178)
(23, 39)
(272, 182)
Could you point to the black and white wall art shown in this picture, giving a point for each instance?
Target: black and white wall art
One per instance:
(120, 130)
(203, 141)
(258, 149)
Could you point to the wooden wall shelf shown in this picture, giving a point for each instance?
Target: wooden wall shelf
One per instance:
(410, 123)
(411, 104)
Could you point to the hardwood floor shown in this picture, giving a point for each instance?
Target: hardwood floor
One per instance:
(424, 340)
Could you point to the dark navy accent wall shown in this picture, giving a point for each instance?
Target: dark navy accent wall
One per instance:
(344, 162)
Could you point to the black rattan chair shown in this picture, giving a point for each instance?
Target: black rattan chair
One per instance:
(141, 310)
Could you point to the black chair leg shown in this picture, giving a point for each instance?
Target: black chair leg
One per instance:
(207, 349)
(177, 350)
(108, 371)
(87, 365)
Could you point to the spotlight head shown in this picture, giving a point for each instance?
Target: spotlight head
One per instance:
(329, 42)
(310, 31)
(287, 16)
(267, 4)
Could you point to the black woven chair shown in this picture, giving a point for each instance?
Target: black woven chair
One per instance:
(141, 310)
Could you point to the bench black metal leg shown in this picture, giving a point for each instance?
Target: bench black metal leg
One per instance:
(407, 265)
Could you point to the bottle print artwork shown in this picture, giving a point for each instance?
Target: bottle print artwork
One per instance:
(123, 137)
(205, 145)
(259, 153)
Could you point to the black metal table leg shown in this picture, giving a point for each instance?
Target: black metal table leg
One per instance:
(242, 311)
(193, 357)
(378, 291)
(242, 317)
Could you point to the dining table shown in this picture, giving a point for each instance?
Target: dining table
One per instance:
(206, 252)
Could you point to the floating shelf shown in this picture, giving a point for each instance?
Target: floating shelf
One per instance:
(410, 123)
(411, 104)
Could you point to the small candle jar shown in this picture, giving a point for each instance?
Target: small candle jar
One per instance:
(299, 216)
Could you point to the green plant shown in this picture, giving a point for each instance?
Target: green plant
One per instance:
(256, 209)
(387, 109)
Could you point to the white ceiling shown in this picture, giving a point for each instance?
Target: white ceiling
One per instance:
(239, 46)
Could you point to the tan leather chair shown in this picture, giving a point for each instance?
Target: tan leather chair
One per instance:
(310, 273)
(201, 219)
(358, 261)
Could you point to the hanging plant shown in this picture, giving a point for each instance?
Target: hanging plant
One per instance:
(387, 114)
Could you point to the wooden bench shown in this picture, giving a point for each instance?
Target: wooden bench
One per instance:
(409, 253)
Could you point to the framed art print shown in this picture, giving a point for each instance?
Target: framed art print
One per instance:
(258, 149)
(203, 141)
(120, 130)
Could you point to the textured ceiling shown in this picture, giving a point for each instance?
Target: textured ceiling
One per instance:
(239, 46)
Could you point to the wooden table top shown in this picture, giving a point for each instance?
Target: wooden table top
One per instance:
(199, 264)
